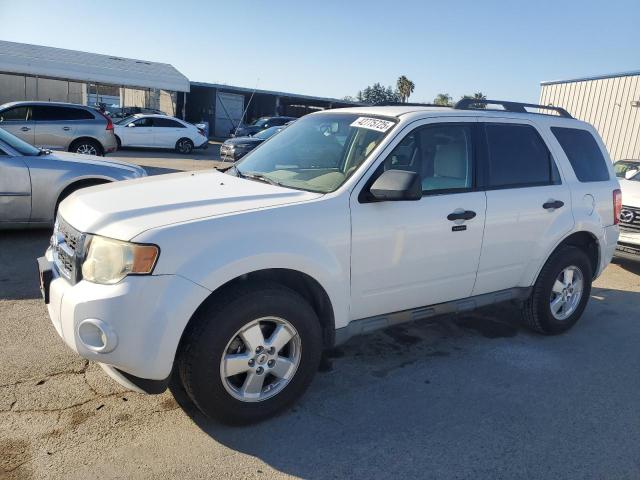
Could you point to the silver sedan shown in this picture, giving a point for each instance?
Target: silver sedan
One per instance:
(34, 181)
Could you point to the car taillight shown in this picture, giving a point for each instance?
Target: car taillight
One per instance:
(201, 131)
(108, 119)
(617, 206)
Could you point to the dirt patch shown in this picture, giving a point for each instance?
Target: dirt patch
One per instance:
(13, 453)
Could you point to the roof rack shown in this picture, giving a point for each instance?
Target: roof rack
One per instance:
(403, 104)
(470, 104)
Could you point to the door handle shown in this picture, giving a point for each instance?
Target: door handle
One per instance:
(25, 129)
(66, 128)
(552, 204)
(465, 215)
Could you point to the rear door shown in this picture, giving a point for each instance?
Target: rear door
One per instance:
(56, 125)
(15, 189)
(528, 205)
(18, 121)
(167, 132)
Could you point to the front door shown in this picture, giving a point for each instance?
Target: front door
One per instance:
(407, 254)
(15, 189)
(140, 134)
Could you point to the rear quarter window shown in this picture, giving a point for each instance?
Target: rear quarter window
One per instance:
(583, 153)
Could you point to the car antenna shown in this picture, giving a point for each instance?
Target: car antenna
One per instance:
(235, 132)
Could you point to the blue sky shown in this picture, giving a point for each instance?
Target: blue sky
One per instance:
(334, 48)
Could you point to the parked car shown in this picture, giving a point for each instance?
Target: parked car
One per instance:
(260, 124)
(159, 131)
(34, 181)
(59, 126)
(234, 149)
(628, 172)
(118, 113)
(347, 221)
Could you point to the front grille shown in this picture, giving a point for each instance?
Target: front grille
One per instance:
(628, 248)
(630, 219)
(67, 244)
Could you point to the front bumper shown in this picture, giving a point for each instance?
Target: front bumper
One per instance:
(140, 322)
(628, 246)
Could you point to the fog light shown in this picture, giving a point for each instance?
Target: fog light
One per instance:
(97, 335)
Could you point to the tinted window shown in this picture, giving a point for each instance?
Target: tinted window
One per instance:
(583, 153)
(167, 123)
(517, 156)
(441, 154)
(14, 114)
(144, 122)
(51, 113)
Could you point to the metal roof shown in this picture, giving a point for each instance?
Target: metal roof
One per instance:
(221, 86)
(594, 77)
(38, 60)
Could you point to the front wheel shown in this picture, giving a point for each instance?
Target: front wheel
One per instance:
(561, 292)
(251, 353)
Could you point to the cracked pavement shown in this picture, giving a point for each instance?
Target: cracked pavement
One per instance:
(472, 396)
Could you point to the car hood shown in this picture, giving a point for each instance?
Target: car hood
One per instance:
(99, 161)
(122, 210)
(243, 140)
(630, 192)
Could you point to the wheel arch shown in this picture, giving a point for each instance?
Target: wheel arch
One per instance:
(77, 184)
(585, 241)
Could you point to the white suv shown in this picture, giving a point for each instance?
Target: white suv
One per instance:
(348, 221)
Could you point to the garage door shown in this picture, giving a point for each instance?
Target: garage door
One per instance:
(229, 108)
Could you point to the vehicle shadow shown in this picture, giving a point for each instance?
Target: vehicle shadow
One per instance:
(19, 250)
(449, 397)
(629, 265)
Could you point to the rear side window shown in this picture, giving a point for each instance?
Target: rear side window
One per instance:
(50, 113)
(15, 114)
(583, 153)
(167, 123)
(518, 157)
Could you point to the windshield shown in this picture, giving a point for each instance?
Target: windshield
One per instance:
(318, 152)
(621, 167)
(260, 122)
(264, 134)
(19, 145)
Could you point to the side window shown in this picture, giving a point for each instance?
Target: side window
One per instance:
(166, 123)
(583, 153)
(518, 157)
(441, 154)
(144, 122)
(14, 114)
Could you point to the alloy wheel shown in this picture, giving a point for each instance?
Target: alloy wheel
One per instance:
(566, 292)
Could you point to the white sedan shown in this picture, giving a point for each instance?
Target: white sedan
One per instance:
(159, 131)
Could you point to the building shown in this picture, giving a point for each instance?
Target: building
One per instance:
(223, 106)
(611, 103)
(34, 72)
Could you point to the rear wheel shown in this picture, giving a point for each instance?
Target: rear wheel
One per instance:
(561, 292)
(184, 145)
(86, 146)
(251, 353)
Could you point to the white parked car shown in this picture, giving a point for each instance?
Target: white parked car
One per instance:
(628, 172)
(159, 131)
(347, 221)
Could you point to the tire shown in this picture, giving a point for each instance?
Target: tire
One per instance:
(86, 146)
(184, 146)
(215, 334)
(537, 309)
(118, 142)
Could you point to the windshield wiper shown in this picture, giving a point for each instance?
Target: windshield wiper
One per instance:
(260, 177)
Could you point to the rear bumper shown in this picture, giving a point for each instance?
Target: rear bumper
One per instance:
(204, 145)
(608, 247)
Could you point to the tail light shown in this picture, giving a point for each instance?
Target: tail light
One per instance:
(200, 131)
(108, 119)
(617, 206)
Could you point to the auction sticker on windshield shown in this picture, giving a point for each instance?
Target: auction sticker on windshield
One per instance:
(373, 124)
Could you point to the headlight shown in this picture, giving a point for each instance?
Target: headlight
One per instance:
(109, 261)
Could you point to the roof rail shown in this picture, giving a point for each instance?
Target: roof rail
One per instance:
(470, 104)
(403, 104)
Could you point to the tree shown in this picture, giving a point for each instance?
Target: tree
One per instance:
(477, 96)
(377, 93)
(443, 99)
(405, 88)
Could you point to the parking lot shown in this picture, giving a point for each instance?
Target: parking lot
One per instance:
(454, 397)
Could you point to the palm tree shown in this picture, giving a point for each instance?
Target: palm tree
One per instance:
(405, 88)
(477, 96)
(443, 99)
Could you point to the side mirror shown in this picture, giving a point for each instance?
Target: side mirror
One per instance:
(131, 125)
(397, 185)
(629, 174)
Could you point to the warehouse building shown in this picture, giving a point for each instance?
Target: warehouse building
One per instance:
(223, 107)
(611, 103)
(34, 72)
